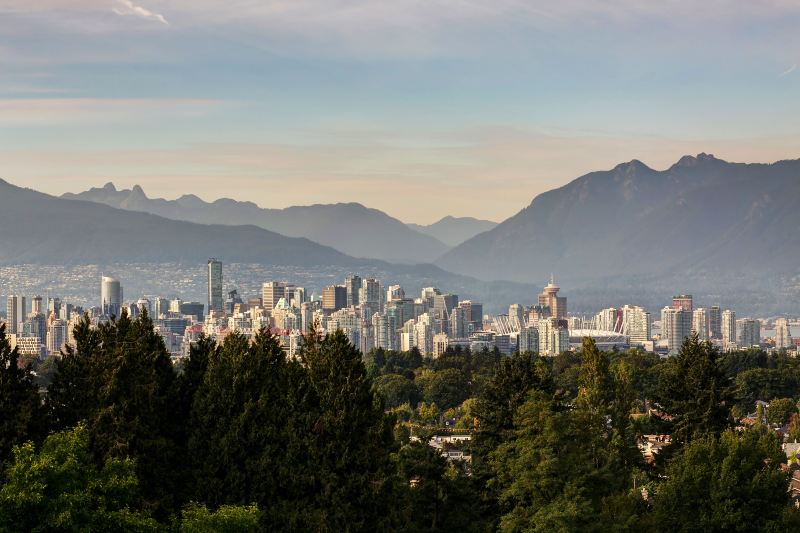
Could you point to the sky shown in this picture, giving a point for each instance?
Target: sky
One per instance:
(420, 108)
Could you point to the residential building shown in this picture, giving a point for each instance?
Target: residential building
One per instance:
(783, 337)
(729, 330)
(700, 323)
(676, 325)
(749, 332)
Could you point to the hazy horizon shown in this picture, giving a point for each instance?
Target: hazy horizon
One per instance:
(391, 105)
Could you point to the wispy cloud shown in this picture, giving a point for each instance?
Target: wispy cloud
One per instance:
(127, 7)
(788, 71)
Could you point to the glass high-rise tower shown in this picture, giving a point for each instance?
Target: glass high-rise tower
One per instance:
(215, 301)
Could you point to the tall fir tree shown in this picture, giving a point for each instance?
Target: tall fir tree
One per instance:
(21, 416)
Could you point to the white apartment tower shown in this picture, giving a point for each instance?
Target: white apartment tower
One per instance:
(676, 325)
(700, 323)
(636, 322)
(728, 330)
(553, 339)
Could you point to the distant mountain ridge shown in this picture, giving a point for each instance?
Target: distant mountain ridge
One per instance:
(701, 215)
(36, 228)
(455, 230)
(42, 228)
(350, 228)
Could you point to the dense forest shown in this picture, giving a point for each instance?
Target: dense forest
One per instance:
(112, 436)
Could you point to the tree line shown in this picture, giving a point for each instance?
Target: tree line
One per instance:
(239, 437)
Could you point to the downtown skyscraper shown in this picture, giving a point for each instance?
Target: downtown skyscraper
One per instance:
(215, 301)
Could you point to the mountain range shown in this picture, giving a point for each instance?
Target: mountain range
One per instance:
(36, 228)
(454, 230)
(703, 225)
(351, 228)
(700, 217)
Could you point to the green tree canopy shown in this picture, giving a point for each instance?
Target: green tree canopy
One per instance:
(694, 392)
(397, 390)
(61, 488)
(731, 482)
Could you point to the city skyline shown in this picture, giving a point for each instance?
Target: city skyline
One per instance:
(382, 104)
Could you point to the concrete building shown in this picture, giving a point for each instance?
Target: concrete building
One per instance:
(783, 336)
(556, 304)
(440, 344)
(36, 305)
(516, 315)
(57, 336)
(273, 291)
(676, 325)
(749, 332)
(13, 316)
(636, 321)
(371, 295)
(728, 330)
(553, 337)
(700, 323)
(334, 297)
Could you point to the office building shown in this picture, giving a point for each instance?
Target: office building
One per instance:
(474, 315)
(714, 322)
(215, 299)
(395, 292)
(516, 316)
(353, 286)
(110, 296)
(334, 297)
(273, 291)
(194, 309)
(443, 304)
(13, 317)
(57, 335)
(36, 305)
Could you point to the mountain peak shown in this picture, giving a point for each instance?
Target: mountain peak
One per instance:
(691, 161)
(138, 191)
(632, 166)
(109, 187)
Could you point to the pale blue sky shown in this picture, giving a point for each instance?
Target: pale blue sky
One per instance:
(419, 108)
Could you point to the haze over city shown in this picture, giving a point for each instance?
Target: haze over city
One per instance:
(390, 104)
